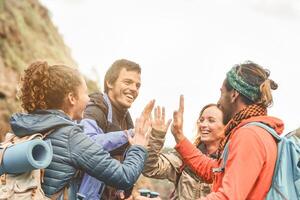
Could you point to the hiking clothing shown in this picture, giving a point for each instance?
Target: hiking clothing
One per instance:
(250, 164)
(74, 151)
(109, 120)
(169, 165)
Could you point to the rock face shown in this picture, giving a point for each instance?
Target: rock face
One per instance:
(26, 35)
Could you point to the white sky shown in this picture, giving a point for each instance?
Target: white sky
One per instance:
(186, 47)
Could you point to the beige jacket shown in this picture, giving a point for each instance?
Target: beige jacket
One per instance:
(167, 166)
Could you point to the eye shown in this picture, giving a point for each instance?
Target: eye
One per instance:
(212, 120)
(138, 85)
(127, 82)
(201, 120)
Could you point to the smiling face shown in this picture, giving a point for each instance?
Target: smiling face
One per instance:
(125, 89)
(210, 125)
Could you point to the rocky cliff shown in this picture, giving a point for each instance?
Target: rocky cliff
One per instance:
(26, 34)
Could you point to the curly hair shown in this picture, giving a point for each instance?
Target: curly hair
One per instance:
(45, 87)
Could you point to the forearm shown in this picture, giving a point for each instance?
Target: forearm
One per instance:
(160, 165)
(201, 164)
(97, 162)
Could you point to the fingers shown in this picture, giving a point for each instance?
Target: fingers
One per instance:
(175, 117)
(181, 104)
(158, 112)
(137, 128)
(163, 115)
(148, 109)
(168, 123)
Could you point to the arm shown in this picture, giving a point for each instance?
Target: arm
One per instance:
(246, 156)
(98, 163)
(201, 164)
(109, 141)
(160, 165)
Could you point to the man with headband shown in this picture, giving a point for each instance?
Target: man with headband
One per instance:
(252, 151)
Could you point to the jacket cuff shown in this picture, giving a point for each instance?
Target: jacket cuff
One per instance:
(183, 145)
(158, 134)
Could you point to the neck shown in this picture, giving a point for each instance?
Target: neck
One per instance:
(212, 147)
(240, 105)
(116, 106)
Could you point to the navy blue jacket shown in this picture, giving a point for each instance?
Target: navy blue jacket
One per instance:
(73, 151)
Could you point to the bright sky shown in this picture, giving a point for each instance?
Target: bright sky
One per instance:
(186, 47)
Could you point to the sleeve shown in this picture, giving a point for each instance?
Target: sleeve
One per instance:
(109, 141)
(245, 150)
(92, 158)
(201, 164)
(160, 165)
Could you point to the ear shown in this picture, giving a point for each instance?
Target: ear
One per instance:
(109, 85)
(71, 98)
(234, 96)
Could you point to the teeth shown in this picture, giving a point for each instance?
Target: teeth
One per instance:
(205, 132)
(129, 96)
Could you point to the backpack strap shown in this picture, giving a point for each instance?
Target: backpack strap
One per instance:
(224, 157)
(267, 128)
(108, 104)
(225, 153)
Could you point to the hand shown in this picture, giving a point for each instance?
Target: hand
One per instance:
(159, 123)
(177, 125)
(142, 126)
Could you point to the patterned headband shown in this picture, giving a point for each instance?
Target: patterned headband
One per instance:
(237, 82)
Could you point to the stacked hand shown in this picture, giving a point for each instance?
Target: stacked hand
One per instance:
(142, 126)
(177, 125)
(158, 122)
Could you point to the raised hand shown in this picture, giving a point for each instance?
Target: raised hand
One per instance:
(158, 122)
(177, 125)
(142, 126)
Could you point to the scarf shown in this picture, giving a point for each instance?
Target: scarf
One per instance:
(249, 111)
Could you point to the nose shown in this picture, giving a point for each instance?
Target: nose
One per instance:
(202, 124)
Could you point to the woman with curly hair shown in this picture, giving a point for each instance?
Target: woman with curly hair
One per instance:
(53, 97)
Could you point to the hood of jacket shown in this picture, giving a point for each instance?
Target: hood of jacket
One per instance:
(39, 121)
(273, 122)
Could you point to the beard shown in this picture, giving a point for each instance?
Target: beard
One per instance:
(227, 115)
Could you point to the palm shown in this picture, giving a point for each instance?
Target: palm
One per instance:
(177, 126)
(158, 122)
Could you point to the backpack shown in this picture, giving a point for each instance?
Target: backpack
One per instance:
(286, 178)
(22, 184)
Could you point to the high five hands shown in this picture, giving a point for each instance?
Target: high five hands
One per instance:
(146, 122)
(142, 126)
(159, 123)
(177, 125)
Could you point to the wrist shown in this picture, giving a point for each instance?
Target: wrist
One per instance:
(179, 138)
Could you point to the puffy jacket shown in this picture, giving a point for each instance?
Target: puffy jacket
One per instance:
(73, 151)
(168, 166)
(250, 164)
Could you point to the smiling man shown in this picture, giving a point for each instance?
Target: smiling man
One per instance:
(107, 121)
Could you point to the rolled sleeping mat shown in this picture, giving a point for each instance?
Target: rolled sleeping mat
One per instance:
(26, 156)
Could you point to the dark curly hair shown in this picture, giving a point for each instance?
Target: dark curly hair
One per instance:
(45, 87)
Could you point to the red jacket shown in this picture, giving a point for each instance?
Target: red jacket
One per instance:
(250, 164)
